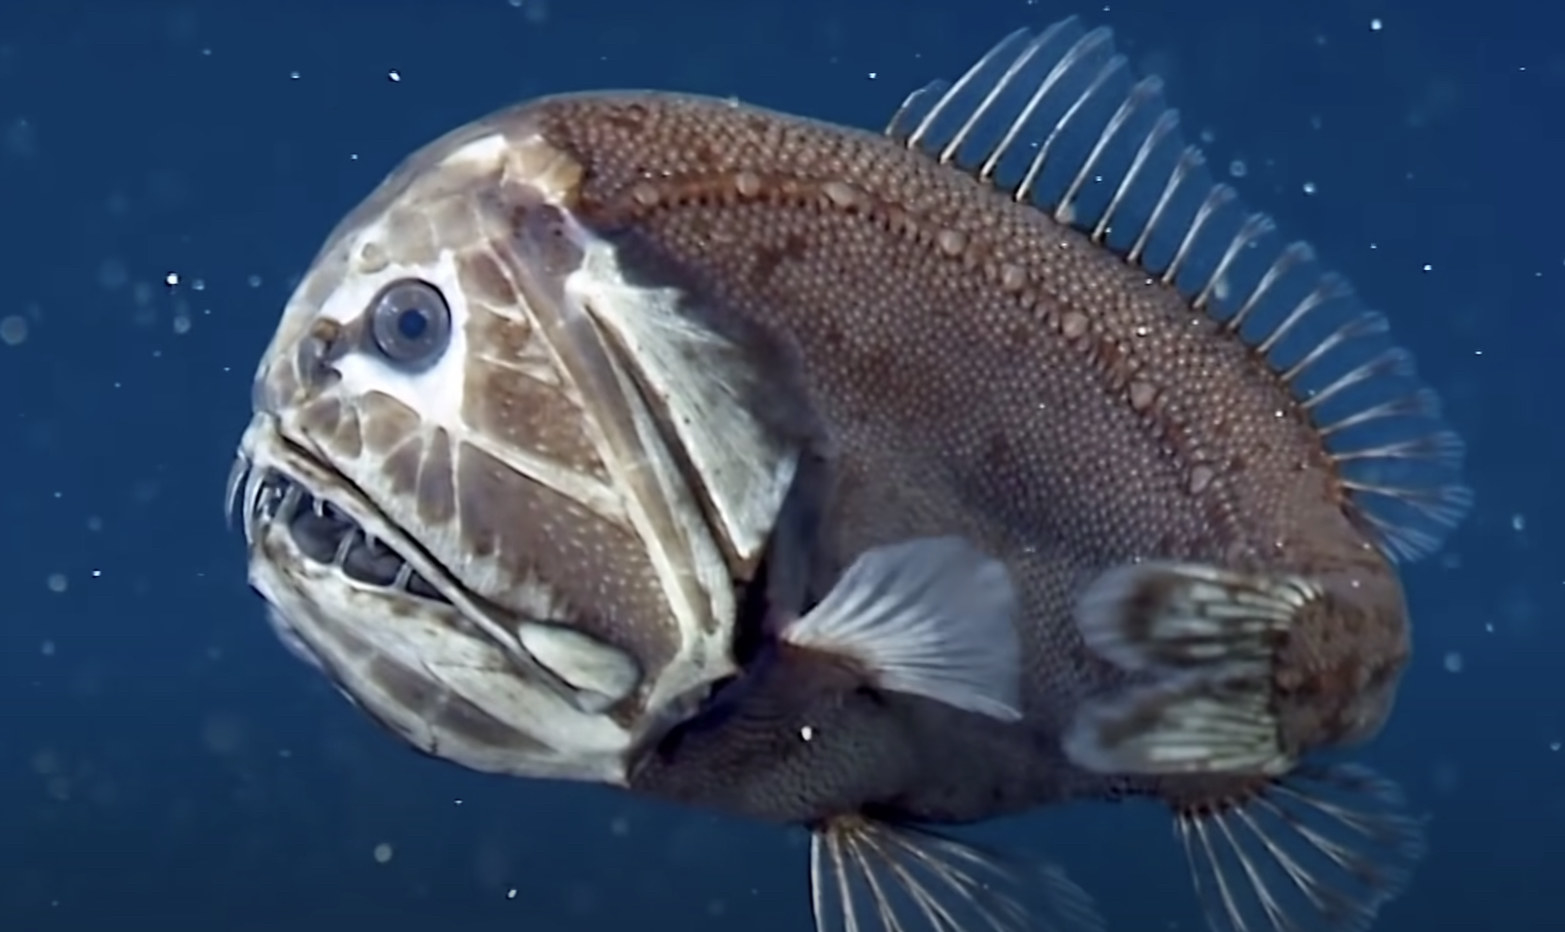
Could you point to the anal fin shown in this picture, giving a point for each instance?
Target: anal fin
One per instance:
(1322, 849)
(866, 874)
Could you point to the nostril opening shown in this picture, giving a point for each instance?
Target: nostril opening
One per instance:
(324, 345)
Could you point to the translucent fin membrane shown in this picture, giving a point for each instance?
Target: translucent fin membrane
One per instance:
(1319, 850)
(870, 876)
(1057, 120)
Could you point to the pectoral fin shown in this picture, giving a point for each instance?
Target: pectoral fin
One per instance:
(933, 617)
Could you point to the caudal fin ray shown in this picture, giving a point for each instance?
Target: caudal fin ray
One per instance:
(869, 876)
(1058, 120)
(1322, 850)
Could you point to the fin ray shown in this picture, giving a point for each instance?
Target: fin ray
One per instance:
(932, 617)
(915, 880)
(1324, 848)
(1189, 723)
(1165, 615)
(1058, 120)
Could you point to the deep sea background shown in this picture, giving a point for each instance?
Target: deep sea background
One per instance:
(168, 168)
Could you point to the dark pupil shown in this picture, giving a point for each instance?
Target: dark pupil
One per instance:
(412, 323)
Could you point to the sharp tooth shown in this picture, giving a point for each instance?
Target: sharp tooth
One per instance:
(254, 488)
(318, 506)
(343, 546)
(404, 576)
(290, 503)
(237, 474)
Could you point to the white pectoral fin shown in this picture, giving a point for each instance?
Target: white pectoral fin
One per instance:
(934, 617)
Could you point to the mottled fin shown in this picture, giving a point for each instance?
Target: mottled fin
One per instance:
(868, 875)
(1180, 616)
(1057, 120)
(933, 617)
(1211, 635)
(1188, 723)
(1323, 850)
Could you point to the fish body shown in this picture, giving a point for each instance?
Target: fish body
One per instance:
(790, 357)
(1189, 442)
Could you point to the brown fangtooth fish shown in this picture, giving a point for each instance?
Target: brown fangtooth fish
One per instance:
(868, 482)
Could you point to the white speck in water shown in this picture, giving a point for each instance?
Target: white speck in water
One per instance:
(1375, 24)
(807, 733)
(510, 894)
(58, 582)
(1518, 522)
(383, 852)
(1453, 662)
(1238, 169)
(1309, 187)
(294, 75)
(394, 75)
(1554, 745)
(171, 279)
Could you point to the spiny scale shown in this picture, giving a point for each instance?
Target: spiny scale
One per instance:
(1057, 120)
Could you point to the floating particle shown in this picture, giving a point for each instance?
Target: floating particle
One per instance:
(13, 330)
(383, 852)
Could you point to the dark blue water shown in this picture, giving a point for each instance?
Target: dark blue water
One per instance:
(166, 169)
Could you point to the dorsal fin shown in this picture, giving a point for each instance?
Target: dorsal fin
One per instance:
(1057, 120)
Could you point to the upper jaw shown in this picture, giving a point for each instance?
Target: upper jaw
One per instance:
(503, 712)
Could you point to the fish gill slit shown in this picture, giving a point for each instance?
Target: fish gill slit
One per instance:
(1057, 120)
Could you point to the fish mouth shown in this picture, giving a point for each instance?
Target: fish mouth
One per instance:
(311, 530)
(357, 598)
(321, 531)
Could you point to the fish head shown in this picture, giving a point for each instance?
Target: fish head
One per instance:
(471, 492)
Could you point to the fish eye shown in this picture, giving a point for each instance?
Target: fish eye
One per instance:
(411, 322)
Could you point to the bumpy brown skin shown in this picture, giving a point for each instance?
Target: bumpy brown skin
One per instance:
(985, 371)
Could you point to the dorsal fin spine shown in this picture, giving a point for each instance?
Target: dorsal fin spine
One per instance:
(1139, 94)
(1038, 97)
(1255, 226)
(1088, 43)
(1167, 122)
(1064, 212)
